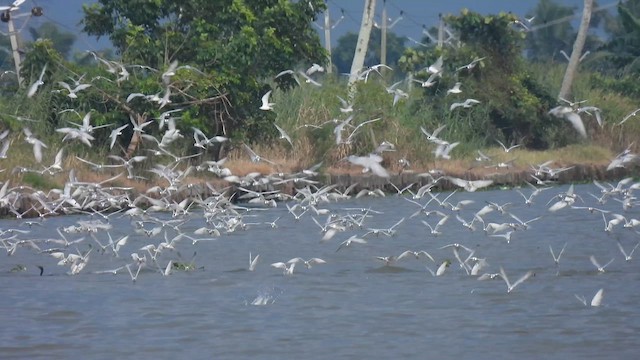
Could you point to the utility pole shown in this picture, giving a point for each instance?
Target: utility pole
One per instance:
(440, 31)
(578, 45)
(383, 32)
(327, 33)
(7, 17)
(363, 42)
(14, 49)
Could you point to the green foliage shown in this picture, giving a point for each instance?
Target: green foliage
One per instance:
(239, 49)
(493, 34)
(628, 85)
(38, 181)
(512, 105)
(620, 55)
(238, 43)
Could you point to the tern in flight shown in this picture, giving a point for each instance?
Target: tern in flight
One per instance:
(34, 87)
(266, 105)
(511, 286)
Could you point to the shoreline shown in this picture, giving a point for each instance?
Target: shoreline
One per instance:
(579, 173)
(345, 178)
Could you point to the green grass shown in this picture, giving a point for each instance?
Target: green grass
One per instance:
(317, 107)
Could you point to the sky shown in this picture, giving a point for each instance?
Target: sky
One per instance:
(68, 13)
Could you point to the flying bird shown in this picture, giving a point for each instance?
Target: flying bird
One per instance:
(34, 87)
(284, 135)
(567, 113)
(266, 105)
(72, 92)
(510, 286)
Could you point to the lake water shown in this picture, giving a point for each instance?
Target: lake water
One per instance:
(351, 307)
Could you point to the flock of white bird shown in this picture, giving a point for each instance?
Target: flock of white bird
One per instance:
(161, 230)
(157, 216)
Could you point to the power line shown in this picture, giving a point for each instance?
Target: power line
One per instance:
(569, 17)
(409, 17)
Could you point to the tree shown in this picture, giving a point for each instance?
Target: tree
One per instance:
(552, 31)
(239, 44)
(576, 53)
(619, 56)
(546, 42)
(512, 106)
(362, 44)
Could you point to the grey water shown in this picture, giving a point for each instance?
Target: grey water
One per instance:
(351, 307)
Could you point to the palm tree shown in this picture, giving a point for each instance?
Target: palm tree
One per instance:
(576, 53)
(546, 42)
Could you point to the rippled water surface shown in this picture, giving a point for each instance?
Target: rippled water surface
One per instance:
(351, 307)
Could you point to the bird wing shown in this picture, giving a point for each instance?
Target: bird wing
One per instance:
(253, 262)
(581, 299)
(504, 277)
(378, 170)
(576, 122)
(457, 181)
(316, 261)
(265, 98)
(64, 85)
(523, 278)
(477, 184)
(597, 298)
(32, 89)
(81, 87)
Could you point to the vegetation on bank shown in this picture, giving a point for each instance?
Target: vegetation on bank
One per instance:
(221, 97)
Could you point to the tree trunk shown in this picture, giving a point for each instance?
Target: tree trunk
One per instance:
(576, 53)
(135, 138)
(363, 41)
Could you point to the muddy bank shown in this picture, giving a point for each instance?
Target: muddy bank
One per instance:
(26, 206)
(509, 178)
